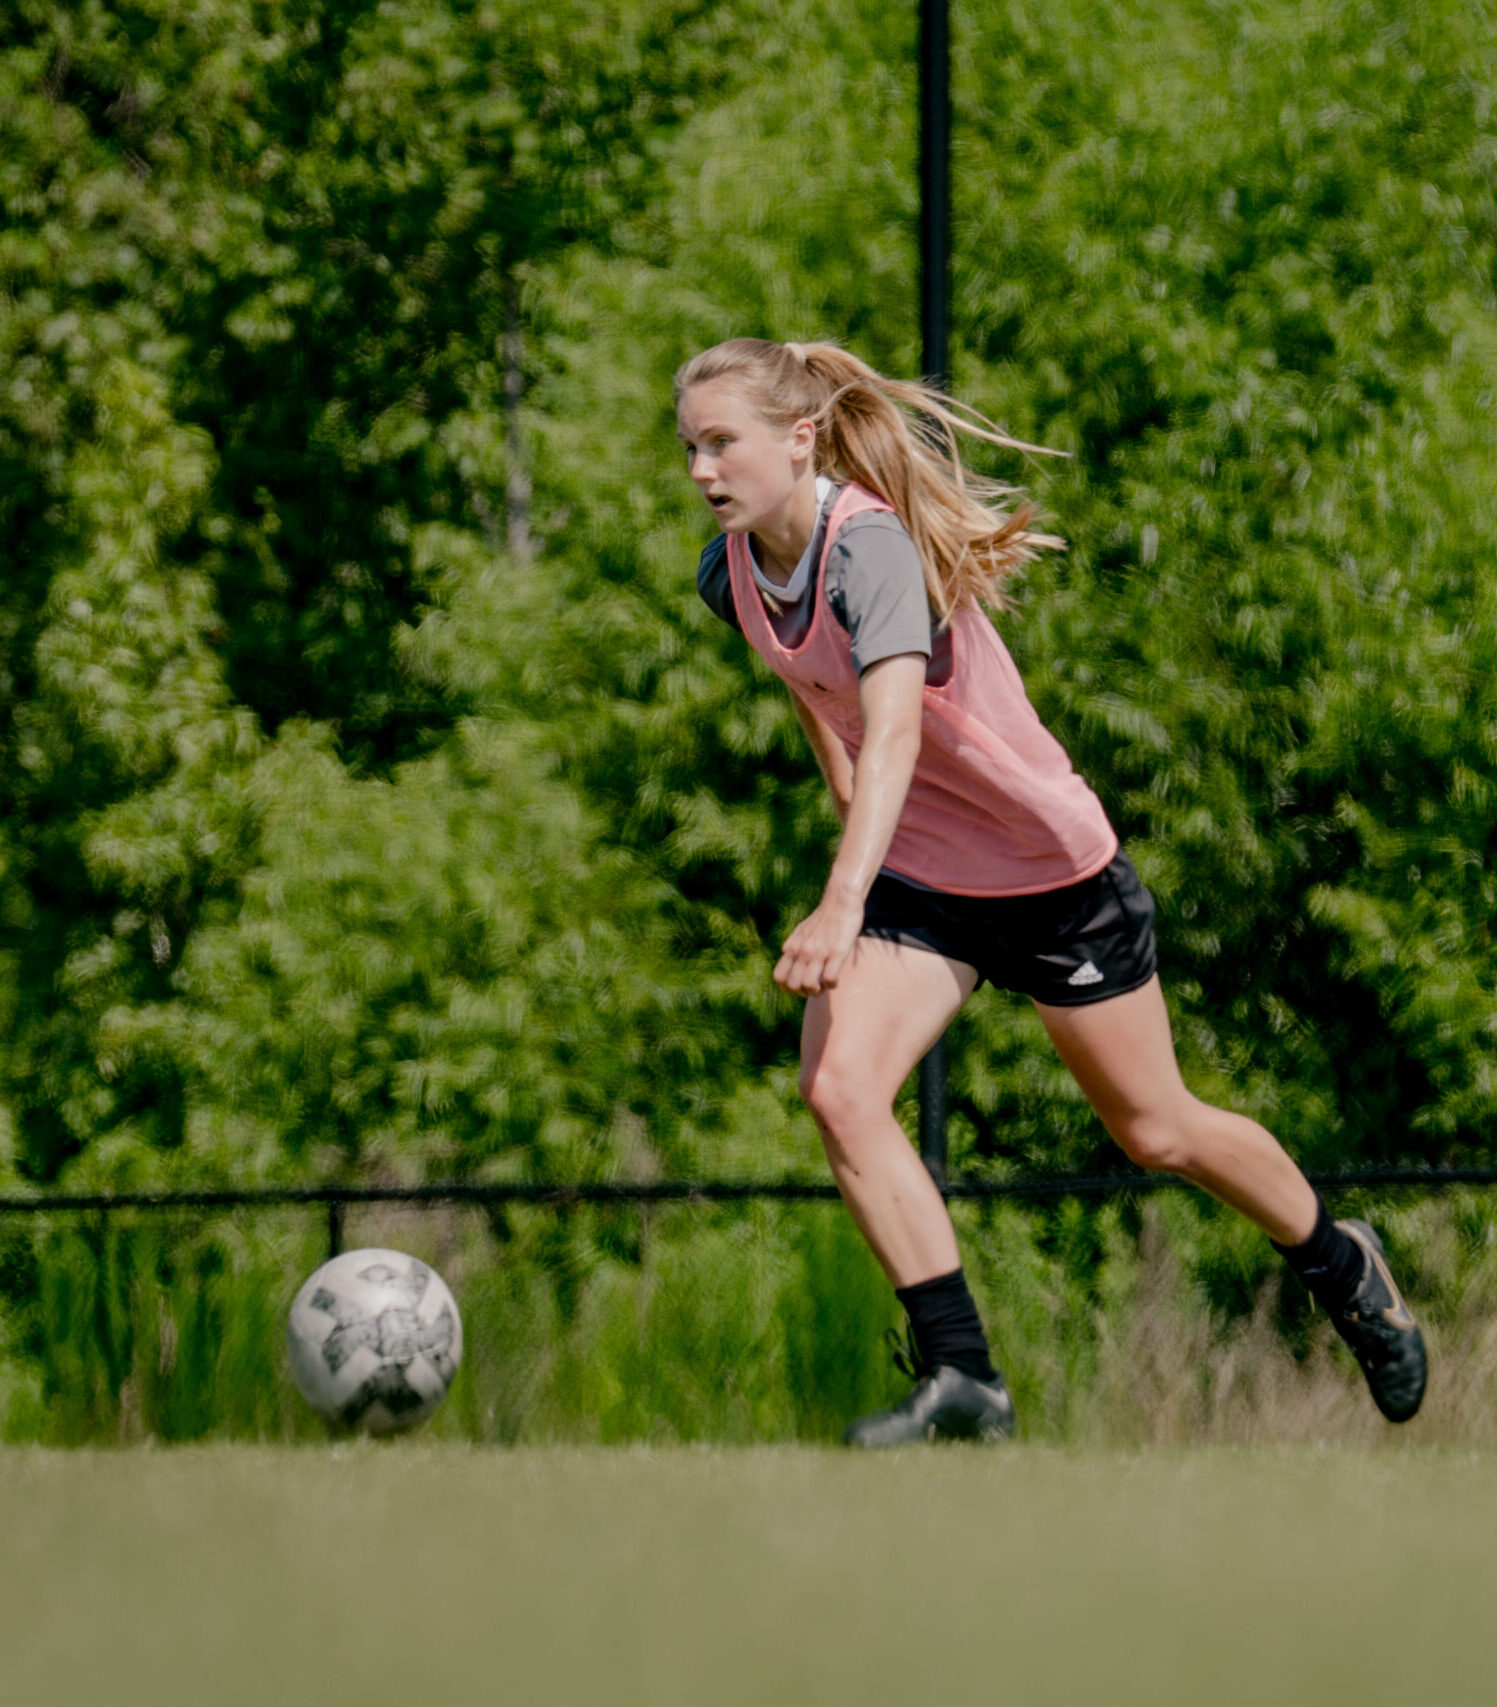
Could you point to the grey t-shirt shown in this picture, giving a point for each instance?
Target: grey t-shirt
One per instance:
(874, 585)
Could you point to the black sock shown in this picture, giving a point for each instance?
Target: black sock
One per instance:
(944, 1321)
(1328, 1262)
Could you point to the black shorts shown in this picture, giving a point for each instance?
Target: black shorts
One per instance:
(1064, 947)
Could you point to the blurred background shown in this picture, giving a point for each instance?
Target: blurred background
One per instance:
(378, 802)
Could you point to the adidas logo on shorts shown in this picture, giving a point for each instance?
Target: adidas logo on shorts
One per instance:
(1087, 974)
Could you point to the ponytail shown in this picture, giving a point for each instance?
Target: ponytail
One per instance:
(900, 440)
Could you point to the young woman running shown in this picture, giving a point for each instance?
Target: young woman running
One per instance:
(855, 558)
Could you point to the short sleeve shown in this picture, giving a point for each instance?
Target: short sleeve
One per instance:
(876, 588)
(714, 582)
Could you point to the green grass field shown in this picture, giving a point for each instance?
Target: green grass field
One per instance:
(646, 1577)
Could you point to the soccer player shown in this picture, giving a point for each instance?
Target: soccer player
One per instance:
(855, 558)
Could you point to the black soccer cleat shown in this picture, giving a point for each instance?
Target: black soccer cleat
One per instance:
(1381, 1331)
(945, 1405)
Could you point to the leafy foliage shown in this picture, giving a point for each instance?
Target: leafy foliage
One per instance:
(336, 838)
(1239, 266)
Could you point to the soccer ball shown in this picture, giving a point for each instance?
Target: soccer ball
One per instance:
(374, 1340)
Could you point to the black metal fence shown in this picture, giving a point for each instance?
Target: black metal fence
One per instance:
(336, 1199)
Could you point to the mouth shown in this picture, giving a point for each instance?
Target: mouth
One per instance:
(720, 502)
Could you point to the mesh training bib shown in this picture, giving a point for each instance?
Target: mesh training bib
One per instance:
(994, 807)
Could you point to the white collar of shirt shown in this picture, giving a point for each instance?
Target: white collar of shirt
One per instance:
(795, 588)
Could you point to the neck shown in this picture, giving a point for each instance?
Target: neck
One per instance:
(781, 541)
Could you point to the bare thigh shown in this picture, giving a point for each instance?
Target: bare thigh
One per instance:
(1122, 1054)
(889, 1006)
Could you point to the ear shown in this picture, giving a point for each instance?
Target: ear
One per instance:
(803, 439)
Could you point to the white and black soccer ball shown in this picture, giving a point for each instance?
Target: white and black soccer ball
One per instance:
(374, 1340)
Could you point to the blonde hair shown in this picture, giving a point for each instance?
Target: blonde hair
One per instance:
(899, 439)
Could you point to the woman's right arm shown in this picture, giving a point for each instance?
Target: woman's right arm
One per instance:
(831, 755)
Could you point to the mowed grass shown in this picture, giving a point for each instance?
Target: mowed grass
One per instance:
(419, 1572)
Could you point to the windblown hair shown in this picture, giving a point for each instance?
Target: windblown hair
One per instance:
(900, 440)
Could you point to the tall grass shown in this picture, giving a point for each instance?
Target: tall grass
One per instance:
(1119, 1324)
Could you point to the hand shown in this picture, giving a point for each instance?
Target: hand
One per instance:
(816, 949)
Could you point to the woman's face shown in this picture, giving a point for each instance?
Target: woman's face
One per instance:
(746, 468)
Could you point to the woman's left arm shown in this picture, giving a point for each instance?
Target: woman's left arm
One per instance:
(891, 696)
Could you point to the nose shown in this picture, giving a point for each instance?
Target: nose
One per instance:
(703, 469)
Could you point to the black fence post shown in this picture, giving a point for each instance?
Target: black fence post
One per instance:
(335, 1228)
(935, 358)
(933, 1111)
(935, 190)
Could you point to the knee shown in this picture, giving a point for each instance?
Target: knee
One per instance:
(835, 1095)
(1158, 1142)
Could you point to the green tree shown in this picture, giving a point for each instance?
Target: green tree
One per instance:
(257, 271)
(1238, 266)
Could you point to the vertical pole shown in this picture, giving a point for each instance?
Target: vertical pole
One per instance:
(935, 362)
(334, 1229)
(935, 189)
(933, 1110)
